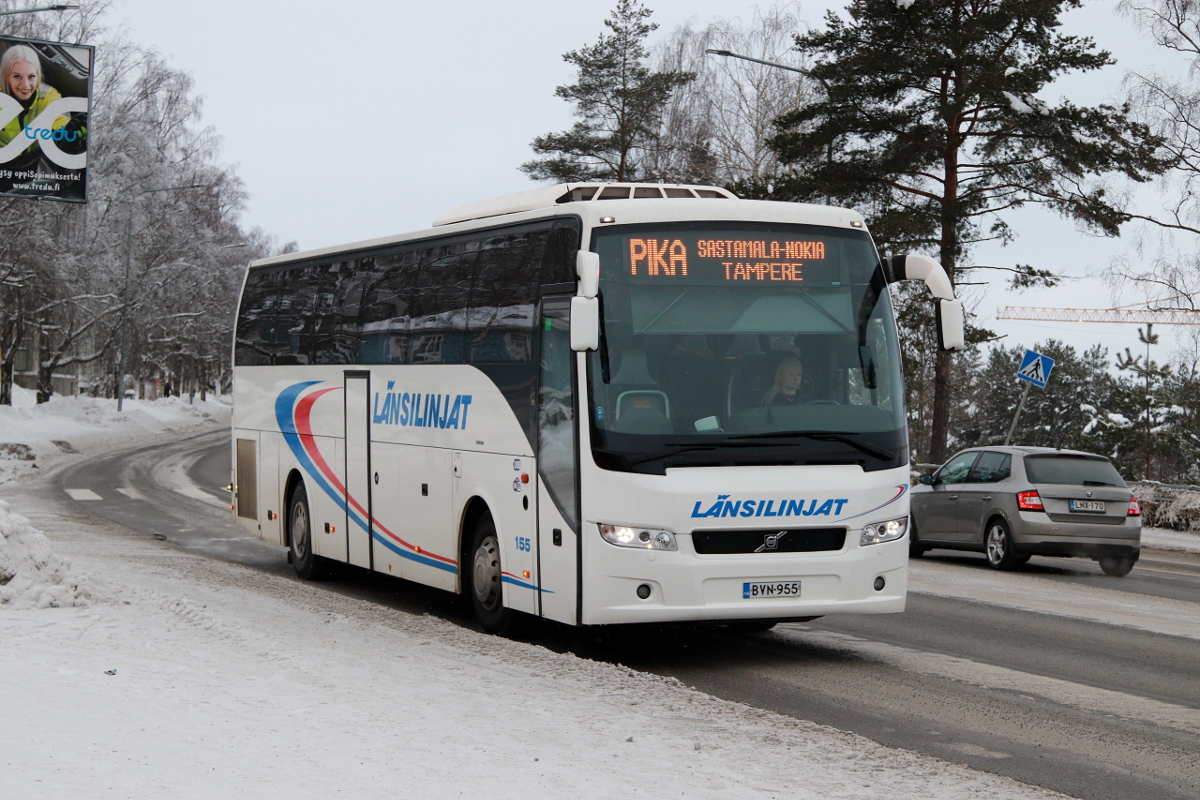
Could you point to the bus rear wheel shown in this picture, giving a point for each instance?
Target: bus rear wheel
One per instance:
(487, 579)
(308, 565)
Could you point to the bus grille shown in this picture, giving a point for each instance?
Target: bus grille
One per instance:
(795, 540)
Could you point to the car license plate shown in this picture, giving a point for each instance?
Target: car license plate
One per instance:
(789, 588)
(1088, 505)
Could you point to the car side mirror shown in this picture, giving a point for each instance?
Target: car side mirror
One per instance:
(926, 479)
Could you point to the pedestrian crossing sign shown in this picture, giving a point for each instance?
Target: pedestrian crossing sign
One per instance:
(1035, 368)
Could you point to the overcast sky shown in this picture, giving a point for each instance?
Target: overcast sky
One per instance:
(369, 118)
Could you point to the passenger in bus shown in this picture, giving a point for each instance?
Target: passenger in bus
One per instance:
(785, 389)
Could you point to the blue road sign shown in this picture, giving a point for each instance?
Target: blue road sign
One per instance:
(1036, 368)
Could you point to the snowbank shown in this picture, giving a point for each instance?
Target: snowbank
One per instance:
(32, 575)
(1175, 508)
(35, 437)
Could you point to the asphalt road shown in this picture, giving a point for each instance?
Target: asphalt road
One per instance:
(1083, 707)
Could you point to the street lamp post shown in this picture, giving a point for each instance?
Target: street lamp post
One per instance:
(35, 10)
(729, 54)
(125, 301)
(777, 65)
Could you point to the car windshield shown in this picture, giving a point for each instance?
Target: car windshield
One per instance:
(731, 343)
(1072, 470)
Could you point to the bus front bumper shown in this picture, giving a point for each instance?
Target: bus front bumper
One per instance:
(636, 586)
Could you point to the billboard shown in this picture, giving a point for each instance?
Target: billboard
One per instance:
(45, 94)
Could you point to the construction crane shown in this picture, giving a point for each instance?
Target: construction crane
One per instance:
(1126, 314)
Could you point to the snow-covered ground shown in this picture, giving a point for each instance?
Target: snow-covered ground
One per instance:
(132, 669)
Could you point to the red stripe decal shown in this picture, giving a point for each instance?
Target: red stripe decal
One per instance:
(303, 419)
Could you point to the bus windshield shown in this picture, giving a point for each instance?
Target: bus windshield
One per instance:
(744, 343)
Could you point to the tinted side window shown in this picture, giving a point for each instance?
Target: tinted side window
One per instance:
(294, 322)
(388, 281)
(254, 343)
(991, 468)
(335, 326)
(560, 252)
(502, 303)
(955, 470)
(440, 300)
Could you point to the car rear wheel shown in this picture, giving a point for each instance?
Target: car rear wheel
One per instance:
(1116, 566)
(998, 543)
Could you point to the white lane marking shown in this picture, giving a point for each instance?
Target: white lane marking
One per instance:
(83, 494)
(987, 676)
(976, 750)
(196, 493)
(1034, 593)
(130, 492)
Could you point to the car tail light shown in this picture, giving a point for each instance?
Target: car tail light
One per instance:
(1135, 510)
(1030, 501)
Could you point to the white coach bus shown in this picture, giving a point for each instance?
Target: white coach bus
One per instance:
(592, 403)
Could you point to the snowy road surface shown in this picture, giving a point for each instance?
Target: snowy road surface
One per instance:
(181, 676)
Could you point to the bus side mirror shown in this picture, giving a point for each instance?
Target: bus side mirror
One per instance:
(950, 330)
(587, 267)
(585, 323)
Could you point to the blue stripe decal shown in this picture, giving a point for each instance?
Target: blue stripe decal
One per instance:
(420, 559)
(523, 585)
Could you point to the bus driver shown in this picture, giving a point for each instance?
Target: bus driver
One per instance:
(785, 389)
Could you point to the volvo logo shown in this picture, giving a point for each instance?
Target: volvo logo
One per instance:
(771, 542)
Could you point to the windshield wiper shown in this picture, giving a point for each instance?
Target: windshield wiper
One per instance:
(667, 452)
(843, 437)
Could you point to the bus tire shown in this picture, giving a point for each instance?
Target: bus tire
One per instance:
(487, 579)
(308, 565)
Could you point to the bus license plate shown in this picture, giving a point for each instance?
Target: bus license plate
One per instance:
(1087, 505)
(771, 589)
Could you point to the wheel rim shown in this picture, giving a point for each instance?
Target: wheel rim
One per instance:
(486, 574)
(300, 530)
(996, 544)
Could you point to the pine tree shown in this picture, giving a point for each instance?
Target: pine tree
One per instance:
(1142, 405)
(618, 101)
(1067, 413)
(932, 125)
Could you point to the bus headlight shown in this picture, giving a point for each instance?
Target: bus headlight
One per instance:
(643, 538)
(883, 531)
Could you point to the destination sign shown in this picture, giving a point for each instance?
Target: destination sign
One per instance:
(757, 260)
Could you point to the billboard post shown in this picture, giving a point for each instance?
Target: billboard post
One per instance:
(45, 97)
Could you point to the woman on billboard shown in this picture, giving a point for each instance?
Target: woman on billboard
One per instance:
(21, 78)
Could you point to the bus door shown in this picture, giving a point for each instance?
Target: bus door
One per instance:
(358, 467)
(557, 492)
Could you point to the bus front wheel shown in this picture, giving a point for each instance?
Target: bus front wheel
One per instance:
(487, 579)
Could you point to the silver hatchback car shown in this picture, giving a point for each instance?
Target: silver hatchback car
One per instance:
(1015, 502)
